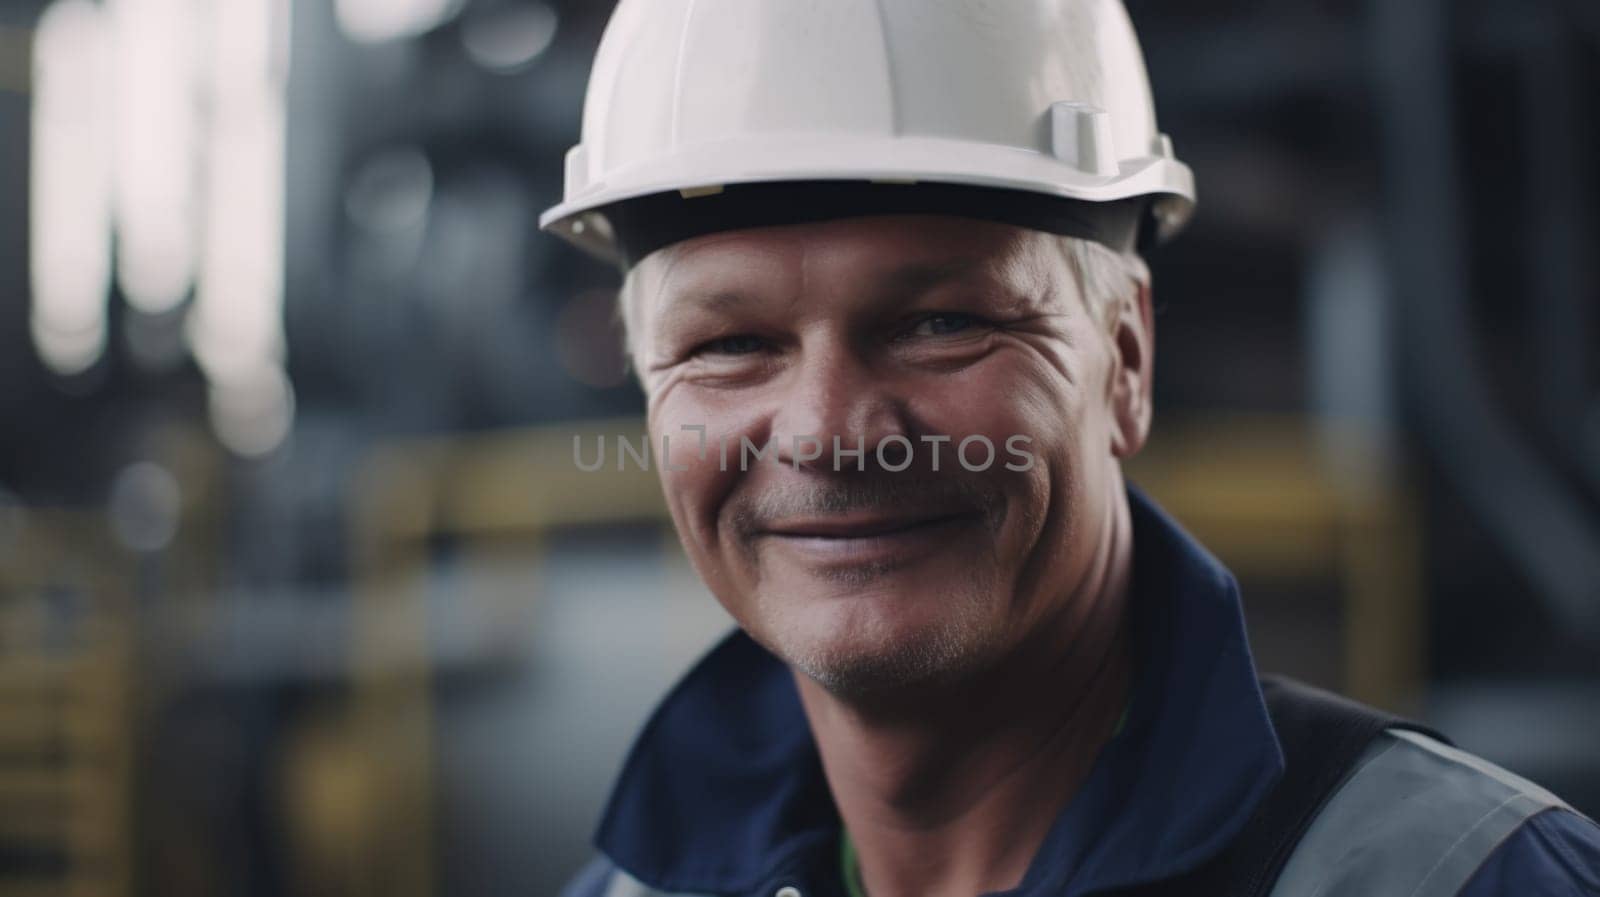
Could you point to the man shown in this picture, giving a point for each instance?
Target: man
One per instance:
(884, 295)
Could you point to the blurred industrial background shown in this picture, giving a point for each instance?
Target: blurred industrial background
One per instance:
(299, 594)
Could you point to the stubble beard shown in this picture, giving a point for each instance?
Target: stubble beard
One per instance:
(859, 660)
(857, 655)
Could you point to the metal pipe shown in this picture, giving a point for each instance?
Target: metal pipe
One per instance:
(1531, 513)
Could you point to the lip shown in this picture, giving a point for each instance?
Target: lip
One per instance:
(852, 540)
(856, 526)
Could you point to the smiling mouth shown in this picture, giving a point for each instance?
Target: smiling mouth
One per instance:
(847, 528)
(832, 545)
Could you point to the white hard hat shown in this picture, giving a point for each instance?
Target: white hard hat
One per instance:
(1046, 99)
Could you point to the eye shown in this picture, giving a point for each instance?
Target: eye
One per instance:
(741, 344)
(945, 323)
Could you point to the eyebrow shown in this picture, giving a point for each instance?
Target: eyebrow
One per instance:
(715, 300)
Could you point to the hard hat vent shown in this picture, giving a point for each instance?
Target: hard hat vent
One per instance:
(1081, 137)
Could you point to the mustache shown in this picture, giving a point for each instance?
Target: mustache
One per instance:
(750, 514)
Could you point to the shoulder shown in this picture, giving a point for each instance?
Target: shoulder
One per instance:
(1555, 854)
(1419, 818)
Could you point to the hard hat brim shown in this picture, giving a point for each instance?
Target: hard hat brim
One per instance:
(707, 168)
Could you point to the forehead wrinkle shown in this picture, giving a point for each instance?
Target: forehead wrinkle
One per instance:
(717, 298)
(652, 269)
(1008, 266)
(1028, 279)
(919, 277)
(1045, 276)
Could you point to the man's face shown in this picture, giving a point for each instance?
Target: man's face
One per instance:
(917, 333)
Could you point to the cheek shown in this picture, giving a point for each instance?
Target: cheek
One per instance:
(1027, 397)
(699, 467)
(1011, 397)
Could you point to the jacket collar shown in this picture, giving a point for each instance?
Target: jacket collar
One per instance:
(724, 792)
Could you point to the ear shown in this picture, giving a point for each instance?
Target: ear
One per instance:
(1133, 335)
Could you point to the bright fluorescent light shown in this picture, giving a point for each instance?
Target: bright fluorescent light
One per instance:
(375, 21)
(236, 324)
(509, 38)
(70, 188)
(253, 412)
(156, 65)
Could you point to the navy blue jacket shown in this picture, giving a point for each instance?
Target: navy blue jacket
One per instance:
(724, 794)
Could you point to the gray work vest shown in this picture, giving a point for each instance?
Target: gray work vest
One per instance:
(1414, 818)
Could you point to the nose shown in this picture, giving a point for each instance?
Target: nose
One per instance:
(835, 394)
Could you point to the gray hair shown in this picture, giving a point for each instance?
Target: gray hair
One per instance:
(1104, 277)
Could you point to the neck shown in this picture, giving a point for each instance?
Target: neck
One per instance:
(950, 794)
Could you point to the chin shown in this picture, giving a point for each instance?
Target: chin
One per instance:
(860, 653)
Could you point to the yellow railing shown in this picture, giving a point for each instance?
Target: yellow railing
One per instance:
(67, 720)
